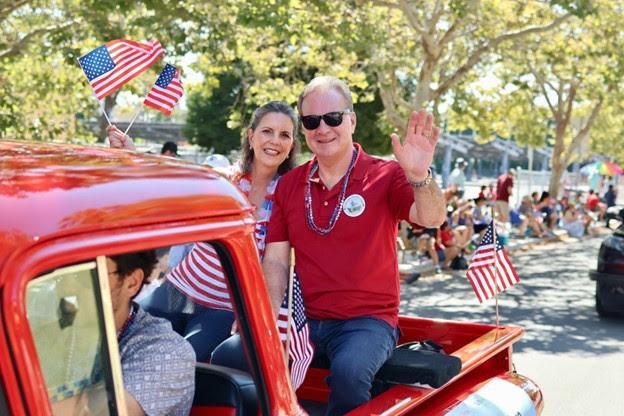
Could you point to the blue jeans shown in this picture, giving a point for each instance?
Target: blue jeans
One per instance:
(356, 348)
(204, 328)
(231, 353)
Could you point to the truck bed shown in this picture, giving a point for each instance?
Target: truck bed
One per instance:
(485, 352)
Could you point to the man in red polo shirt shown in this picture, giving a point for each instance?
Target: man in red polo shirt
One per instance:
(340, 212)
(504, 187)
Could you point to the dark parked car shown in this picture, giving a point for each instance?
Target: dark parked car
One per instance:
(609, 276)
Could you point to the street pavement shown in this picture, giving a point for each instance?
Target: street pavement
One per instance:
(575, 357)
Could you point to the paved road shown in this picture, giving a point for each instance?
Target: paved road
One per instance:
(574, 356)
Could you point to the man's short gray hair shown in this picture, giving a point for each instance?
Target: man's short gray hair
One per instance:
(326, 83)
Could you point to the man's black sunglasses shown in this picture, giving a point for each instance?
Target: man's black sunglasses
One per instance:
(333, 119)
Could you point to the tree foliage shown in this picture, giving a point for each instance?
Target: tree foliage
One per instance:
(522, 69)
(42, 86)
(209, 115)
(418, 53)
(564, 92)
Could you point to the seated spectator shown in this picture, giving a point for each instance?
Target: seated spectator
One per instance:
(158, 365)
(562, 204)
(461, 223)
(479, 220)
(426, 244)
(545, 206)
(535, 223)
(574, 222)
(423, 240)
(482, 192)
(593, 204)
(490, 195)
(519, 221)
(447, 243)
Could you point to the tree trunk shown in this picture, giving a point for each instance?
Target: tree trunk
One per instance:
(555, 179)
(562, 155)
(558, 159)
(109, 103)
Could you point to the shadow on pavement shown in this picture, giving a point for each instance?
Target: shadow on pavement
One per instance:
(554, 301)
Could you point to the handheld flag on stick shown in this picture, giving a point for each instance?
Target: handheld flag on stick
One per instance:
(200, 276)
(167, 91)
(295, 332)
(117, 62)
(490, 271)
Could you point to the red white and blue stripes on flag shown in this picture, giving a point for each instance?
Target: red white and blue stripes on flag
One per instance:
(201, 277)
(117, 62)
(167, 90)
(301, 350)
(489, 275)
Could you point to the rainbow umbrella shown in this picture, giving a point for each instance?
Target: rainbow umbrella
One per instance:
(602, 168)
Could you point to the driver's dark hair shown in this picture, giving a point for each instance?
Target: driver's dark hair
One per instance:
(127, 263)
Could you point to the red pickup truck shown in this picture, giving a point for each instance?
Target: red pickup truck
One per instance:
(64, 208)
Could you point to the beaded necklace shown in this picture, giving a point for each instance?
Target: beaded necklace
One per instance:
(126, 326)
(339, 204)
(264, 212)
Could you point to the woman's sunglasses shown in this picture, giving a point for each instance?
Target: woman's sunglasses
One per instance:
(333, 119)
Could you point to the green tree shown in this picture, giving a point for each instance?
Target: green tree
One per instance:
(424, 53)
(209, 115)
(559, 90)
(40, 41)
(372, 130)
(419, 53)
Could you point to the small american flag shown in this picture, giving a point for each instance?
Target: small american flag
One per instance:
(301, 349)
(119, 61)
(486, 276)
(200, 276)
(167, 91)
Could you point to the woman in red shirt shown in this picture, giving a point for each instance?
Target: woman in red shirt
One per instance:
(446, 245)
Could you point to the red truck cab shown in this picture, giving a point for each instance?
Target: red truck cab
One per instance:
(64, 208)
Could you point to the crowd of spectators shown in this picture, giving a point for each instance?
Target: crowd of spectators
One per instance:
(537, 215)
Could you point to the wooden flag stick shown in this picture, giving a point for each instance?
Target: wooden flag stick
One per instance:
(291, 280)
(496, 281)
(136, 114)
(104, 111)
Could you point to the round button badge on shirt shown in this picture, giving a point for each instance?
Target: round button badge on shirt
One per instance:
(354, 205)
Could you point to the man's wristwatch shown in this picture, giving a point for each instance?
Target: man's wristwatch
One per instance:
(422, 184)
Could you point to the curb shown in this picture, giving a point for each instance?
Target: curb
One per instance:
(406, 269)
(558, 237)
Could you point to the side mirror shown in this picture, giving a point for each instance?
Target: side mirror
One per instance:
(69, 308)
